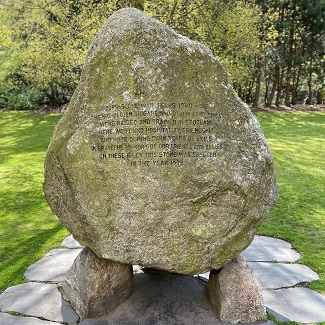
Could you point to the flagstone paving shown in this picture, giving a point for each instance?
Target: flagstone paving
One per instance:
(17, 320)
(53, 267)
(41, 300)
(70, 242)
(279, 275)
(270, 249)
(298, 304)
(169, 300)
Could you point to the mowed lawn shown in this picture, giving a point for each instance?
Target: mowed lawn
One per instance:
(297, 141)
(28, 229)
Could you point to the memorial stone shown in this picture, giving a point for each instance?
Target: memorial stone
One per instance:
(156, 161)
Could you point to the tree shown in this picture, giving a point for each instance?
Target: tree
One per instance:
(294, 57)
(53, 37)
(272, 46)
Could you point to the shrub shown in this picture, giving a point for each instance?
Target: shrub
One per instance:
(23, 98)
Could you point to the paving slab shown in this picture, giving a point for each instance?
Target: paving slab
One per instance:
(6, 319)
(295, 304)
(279, 275)
(96, 322)
(268, 249)
(70, 242)
(38, 300)
(53, 267)
(160, 300)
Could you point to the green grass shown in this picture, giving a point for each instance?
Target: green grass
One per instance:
(28, 229)
(297, 141)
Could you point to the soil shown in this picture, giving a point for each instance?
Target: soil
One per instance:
(51, 110)
(282, 108)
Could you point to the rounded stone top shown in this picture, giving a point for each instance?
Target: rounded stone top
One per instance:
(157, 161)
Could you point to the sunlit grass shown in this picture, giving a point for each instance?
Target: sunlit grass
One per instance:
(28, 229)
(297, 141)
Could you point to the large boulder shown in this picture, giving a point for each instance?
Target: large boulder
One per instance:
(157, 161)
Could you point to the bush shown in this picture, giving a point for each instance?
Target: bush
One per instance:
(23, 98)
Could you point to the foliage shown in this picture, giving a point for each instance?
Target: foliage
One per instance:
(10, 63)
(24, 98)
(235, 40)
(294, 58)
(53, 37)
(298, 145)
(275, 48)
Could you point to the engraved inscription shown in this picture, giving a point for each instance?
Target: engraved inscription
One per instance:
(154, 134)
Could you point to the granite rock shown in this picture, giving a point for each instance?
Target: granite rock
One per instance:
(95, 286)
(156, 161)
(235, 293)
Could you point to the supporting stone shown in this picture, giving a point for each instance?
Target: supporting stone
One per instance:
(235, 293)
(95, 286)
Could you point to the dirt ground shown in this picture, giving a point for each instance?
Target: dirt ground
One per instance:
(282, 108)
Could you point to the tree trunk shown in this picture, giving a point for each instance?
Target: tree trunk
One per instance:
(310, 90)
(275, 85)
(172, 12)
(288, 88)
(296, 86)
(249, 90)
(291, 53)
(266, 93)
(279, 89)
(258, 83)
(320, 96)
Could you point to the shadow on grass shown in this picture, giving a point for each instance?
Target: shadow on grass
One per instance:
(292, 125)
(17, 257)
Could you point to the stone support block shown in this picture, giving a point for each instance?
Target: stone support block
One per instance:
(95, 286)
(235, 293)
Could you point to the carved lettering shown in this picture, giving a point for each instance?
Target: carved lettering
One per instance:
(154, 134)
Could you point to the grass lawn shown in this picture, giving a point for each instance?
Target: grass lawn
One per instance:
(297, 141)
(28, 229)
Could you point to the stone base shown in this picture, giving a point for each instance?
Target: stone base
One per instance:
(235, 293)
(95, 286)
